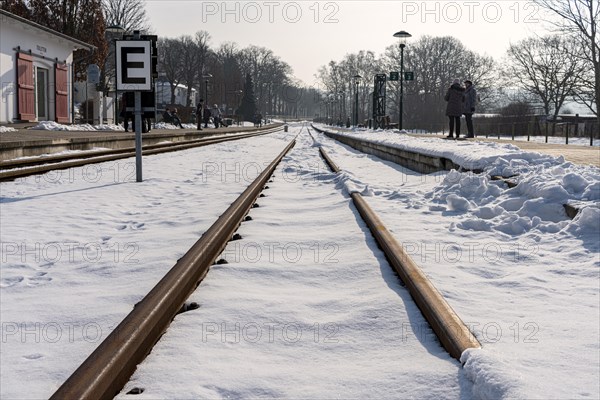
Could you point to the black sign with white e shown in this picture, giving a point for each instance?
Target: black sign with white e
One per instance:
(134, 65)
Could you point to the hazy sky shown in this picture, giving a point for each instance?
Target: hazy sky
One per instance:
(309, 34)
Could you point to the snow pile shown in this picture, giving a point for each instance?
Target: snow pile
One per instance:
(587, 221)
(108, 127)
(164, 125)
(55, 126)
(537, 202)
(492, 378)
(544, 185)
(7, 129)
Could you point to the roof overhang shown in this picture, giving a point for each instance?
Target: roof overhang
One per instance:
(75, 43)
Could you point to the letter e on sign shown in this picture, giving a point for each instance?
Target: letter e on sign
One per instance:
(134, 65)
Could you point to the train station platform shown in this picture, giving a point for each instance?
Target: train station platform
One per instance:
(583, 155)
(26, 142)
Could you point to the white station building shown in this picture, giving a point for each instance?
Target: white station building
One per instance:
(36, 70)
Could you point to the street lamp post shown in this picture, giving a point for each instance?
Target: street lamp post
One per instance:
(357, 79)
(238, 95)
(402, 36)
(206, 78)
(342, 100)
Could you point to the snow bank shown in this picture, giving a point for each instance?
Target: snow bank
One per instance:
(55, 126)
(492, 377)
(544, 185)
(7, 129)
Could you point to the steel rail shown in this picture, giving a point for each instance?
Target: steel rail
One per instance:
(104, 373)
(447, 325)
(121, 154)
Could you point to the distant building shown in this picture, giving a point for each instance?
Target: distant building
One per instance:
(36, 66)
(163, 94)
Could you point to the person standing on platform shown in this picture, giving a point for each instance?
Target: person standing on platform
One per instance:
(123, 113)
(200, 114)
(206, 114)
(216, 114)
(455, 96)
(469, 106)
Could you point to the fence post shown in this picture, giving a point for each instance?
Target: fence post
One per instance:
(528, 131)
(546, 131)
(567, 134)
(513, 131)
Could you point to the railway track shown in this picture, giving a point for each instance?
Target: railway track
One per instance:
(449, 328)
(13, 169)
(105, 372)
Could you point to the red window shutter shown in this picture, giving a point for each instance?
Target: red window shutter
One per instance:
(25, 88)
(61, 94)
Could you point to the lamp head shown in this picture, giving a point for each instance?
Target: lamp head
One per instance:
(115, 29)
(402, 37)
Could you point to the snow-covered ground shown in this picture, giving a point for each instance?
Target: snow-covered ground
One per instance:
(512, 264)
(80, 247)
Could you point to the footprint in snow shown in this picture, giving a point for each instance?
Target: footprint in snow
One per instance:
(12, 281)
(35, 356)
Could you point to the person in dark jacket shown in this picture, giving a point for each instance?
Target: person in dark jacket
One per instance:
(123, 113)
(206, 114)
(455, 97)
(469, 106)
(176, 119)
(200, 114)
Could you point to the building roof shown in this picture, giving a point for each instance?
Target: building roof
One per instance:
(76, 42)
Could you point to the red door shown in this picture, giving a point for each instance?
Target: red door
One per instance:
(61, 98)
(25, 88)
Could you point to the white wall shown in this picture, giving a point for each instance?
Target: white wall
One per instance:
(14, 33)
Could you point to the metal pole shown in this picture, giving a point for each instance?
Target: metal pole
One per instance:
(138, 128)
(401, 85)
(356, 104)
(138, 135)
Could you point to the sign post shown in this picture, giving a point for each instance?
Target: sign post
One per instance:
(134, 73)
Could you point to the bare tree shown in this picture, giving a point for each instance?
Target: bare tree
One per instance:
(170, 62)
(545, 68)
(227, 78)
(128, 14)
(436, 61)
(270, 75)
(193, 57)
(581, 18)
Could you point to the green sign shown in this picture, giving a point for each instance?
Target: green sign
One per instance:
(409, 76)
(394, 76)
